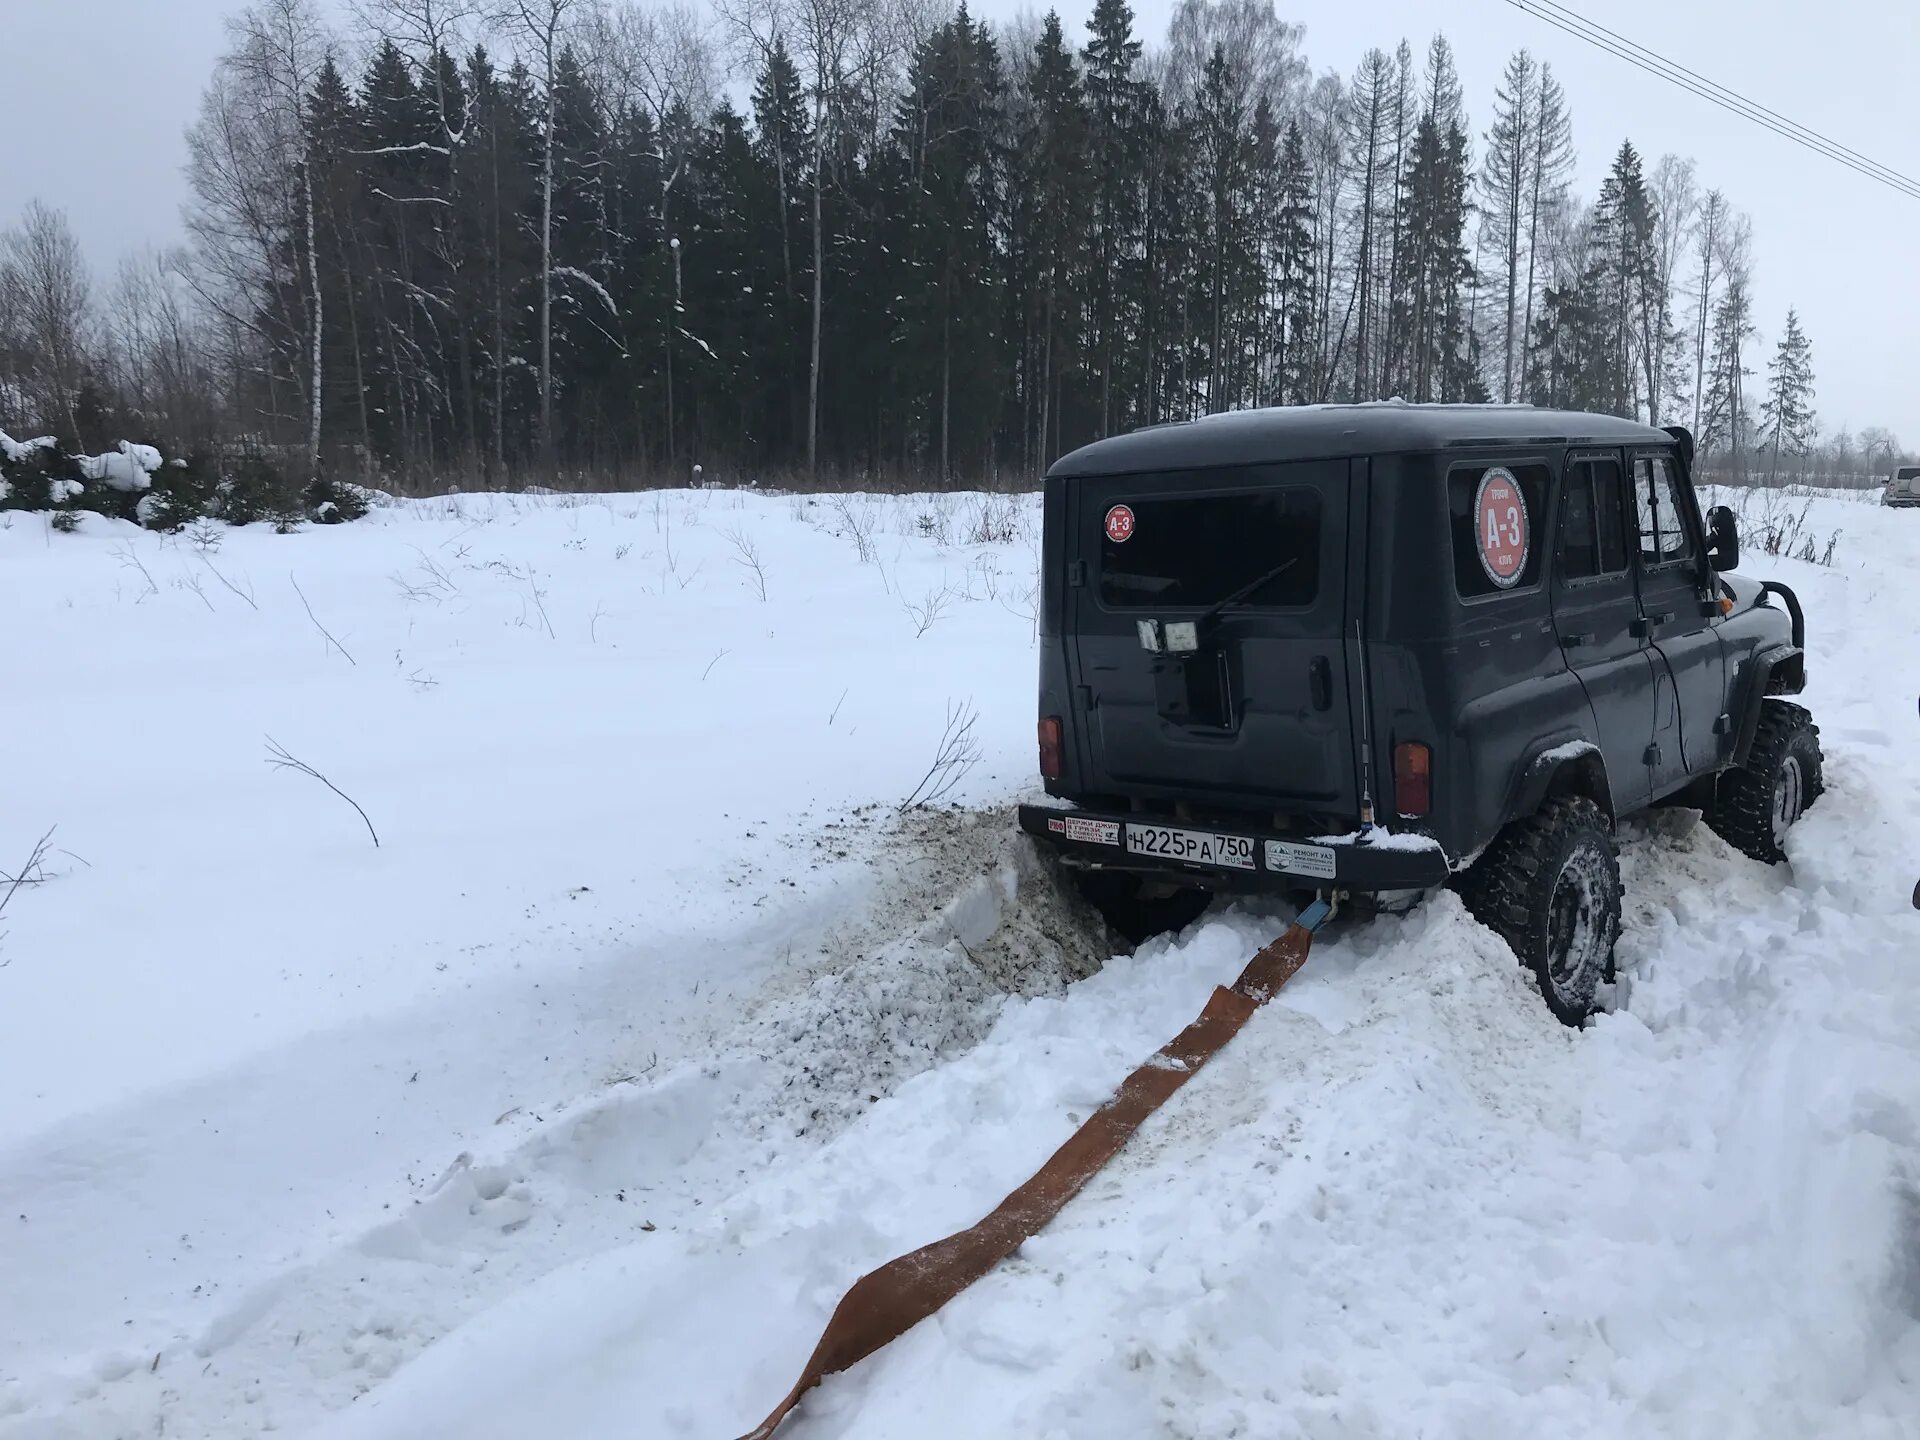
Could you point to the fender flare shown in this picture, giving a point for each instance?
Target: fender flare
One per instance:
(1543, 767)
(1758, 685)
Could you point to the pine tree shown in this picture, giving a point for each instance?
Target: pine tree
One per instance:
(1724, 423)
(1786, 416)
(1056, 184)
(1506, 182)
(1223, 151)
(1327, 158)
(500, 179)
(1295, 259)
(1549, 171)
(397, 123)
(780, 144)
(1370, 106)
(944, 134)
(1117, 115)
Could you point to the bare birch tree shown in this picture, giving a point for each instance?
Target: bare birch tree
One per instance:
(1676, 198)
(543, 25)
(1709, 236)
(44, 291)
(278, 47)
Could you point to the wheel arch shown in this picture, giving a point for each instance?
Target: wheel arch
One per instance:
(1777, 670)
(1556, 769)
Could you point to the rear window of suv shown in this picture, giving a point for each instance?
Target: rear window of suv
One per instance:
(1202, 549)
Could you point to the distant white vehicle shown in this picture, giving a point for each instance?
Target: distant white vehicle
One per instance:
(1903, 488)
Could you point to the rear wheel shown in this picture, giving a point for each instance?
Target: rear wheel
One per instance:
(1136, 908)
(1759, 802)
(1549, 885)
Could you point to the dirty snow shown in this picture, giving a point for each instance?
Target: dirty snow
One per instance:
(572, 1109)
(1381, 838)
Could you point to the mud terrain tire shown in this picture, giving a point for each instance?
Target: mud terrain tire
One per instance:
(1133, 910)
(1758, 803)
(1549, 885)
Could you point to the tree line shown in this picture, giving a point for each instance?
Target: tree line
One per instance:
(542, 239)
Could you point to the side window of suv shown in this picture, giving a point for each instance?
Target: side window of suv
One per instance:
(1663, 530)
(1593, 538)
(1498, 515)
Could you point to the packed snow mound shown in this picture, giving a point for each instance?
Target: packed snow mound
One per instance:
(127, 468)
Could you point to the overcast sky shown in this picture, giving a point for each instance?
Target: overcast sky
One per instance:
(97, 93)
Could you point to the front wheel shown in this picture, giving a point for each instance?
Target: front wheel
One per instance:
(1758, 803)
(1549, 885)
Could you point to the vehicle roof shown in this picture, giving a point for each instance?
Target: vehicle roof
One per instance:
(1327, 432)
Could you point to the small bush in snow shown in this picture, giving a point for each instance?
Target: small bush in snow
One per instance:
(253, 488)
(329, 502)
(37, 476)
(993, 520)
(182, 492)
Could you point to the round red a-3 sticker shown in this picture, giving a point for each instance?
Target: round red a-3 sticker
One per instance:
(1120, 524)
(1500, 526)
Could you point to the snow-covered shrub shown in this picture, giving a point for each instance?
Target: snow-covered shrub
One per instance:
(253, 488)
(134, 482)
(182, 492)
(330, 502)
(127, 469)
(36, 475)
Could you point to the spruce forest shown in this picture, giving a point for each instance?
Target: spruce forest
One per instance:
(849, 240)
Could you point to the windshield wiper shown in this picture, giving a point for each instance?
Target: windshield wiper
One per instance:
(1213, 612)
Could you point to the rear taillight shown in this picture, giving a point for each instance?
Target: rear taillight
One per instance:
(1412, 778)
(1050, 747)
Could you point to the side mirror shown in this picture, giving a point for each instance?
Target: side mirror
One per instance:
(1723, 538)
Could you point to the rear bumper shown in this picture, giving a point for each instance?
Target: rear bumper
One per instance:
(1278, 862)
(1901, 502)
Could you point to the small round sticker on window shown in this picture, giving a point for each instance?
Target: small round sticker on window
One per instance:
(1500, 518)
(1120, 524)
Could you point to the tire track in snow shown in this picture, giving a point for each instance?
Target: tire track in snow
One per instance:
(968, 917)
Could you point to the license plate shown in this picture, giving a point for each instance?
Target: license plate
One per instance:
(1316, 861)
(1199, 847)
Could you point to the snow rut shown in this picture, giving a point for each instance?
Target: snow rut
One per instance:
(965, 915)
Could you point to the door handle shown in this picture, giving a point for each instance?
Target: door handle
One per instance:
(1320, 682)
(1571, 641)
(1647, 624)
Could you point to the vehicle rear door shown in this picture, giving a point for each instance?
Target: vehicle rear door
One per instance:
(1255, 558)
(1690, 675)
(1596, 611)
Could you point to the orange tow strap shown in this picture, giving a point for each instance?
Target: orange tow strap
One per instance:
(885, 1304)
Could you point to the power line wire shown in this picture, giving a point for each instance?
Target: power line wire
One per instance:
(1593, 25)
(1728, 100)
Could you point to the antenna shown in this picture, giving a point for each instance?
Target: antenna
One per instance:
(1366, 736)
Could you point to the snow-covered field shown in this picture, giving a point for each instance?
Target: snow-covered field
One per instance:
(571, 1108)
